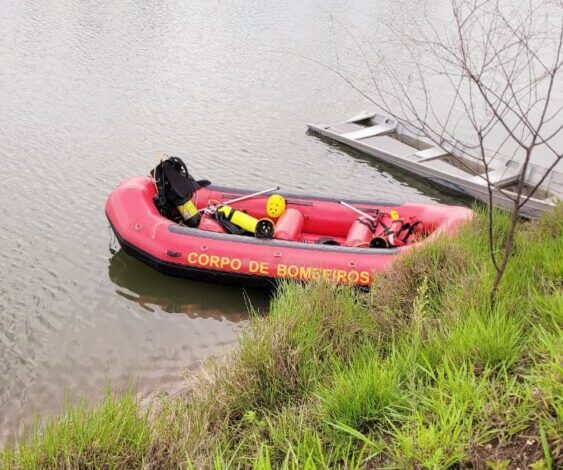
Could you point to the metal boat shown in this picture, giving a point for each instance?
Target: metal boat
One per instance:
(397, 143)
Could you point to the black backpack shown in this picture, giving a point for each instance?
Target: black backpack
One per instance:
(175, 187)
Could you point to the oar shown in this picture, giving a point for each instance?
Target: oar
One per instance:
(241, 198)
(248, 196)
(358, 211)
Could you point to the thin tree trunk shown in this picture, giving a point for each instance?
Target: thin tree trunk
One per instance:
(507, 252)
(509, 241)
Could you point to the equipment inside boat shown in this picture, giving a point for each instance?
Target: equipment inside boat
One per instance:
(227, 216)
(394, 232)
(275, 206)
(290, 225)
(239, 222)
(175, 190)
(361, 233)
(177, 196)
(385, 230)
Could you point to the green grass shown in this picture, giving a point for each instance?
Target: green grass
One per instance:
(420, 372)
(116, 434)
(366, 394)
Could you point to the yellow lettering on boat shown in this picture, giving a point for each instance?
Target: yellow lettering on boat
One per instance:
(305, 272)
(264, 268)
(353, 277)
(213, 261)
(258, 267)
(341, 276)
(292, 271)
(253, 266)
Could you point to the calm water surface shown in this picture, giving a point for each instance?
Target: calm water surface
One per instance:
(90, 93)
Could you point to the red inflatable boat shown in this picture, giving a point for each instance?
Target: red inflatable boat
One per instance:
(315, 237)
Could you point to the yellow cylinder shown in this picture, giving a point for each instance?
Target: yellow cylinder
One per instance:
(189, 213)
(240, 219)
(188, 209)
(249, 223)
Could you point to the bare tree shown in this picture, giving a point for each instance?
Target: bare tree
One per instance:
(494, 66)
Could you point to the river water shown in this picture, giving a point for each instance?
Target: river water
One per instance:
(90, 93)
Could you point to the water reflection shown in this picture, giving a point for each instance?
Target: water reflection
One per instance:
(153, 291)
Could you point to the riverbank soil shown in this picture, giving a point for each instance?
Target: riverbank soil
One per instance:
(418, 373)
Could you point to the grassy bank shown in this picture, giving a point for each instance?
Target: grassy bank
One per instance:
(418, 373)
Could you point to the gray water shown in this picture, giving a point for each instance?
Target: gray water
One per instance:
(91, 92)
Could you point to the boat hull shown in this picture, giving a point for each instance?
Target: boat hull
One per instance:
(232, 259)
